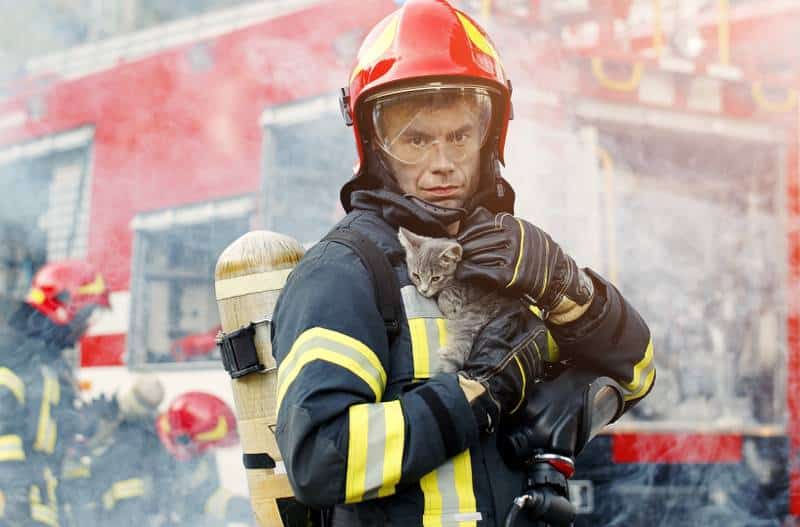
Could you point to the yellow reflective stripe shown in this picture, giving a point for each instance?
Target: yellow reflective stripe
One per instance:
(334, 347)
(519, 254)
(96, 287)
(123, 490)
(552, 349)
(432, 513)
(218, 432)
(644, 373)
(373, 51)
(10, 380)
(41, 512)
(394, 443)
(374, 451)
(47, 429)
(646, 386)
(449, 495)
(464, 489)
(44, 514)
(215, 505)
(357, 453)
(419, 348)
(477, 38)
(524, 381)
(11, 448)
(442, 326)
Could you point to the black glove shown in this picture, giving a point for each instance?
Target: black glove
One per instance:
(511, 255)
(561, 416)
(507, 359)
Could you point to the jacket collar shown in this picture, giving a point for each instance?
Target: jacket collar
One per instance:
(410, 212)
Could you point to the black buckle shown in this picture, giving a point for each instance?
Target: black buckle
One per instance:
(344, 106)
(238, 349)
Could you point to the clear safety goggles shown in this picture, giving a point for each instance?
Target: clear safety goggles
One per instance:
(411, 125)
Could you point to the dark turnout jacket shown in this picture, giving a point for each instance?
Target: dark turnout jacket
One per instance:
(367, 425)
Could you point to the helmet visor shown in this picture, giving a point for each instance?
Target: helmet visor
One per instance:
(410, 126)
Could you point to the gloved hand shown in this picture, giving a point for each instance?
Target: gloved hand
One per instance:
(506, 359)
(561, 416)
(513, 256)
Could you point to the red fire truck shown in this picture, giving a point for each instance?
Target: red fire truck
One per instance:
(657, 140)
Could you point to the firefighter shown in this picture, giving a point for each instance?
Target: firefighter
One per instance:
(38, 394)
(109, 476)
(192, 426)
(367, 428)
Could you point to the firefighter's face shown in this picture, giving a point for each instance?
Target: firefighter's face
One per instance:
(438, 151)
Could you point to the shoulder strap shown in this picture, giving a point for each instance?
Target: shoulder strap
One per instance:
(387, 289)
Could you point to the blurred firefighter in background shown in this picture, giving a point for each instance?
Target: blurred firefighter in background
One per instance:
(110, 471)
(38, 390)
(194, 424)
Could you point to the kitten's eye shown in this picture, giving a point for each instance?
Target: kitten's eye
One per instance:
(415, 277)
(436, 278)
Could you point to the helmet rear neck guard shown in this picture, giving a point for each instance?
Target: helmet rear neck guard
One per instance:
(424, 43)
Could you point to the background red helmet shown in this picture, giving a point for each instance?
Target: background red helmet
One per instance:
(195, 422)
(61, 290)
(424, 42)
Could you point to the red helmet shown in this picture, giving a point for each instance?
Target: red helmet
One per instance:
(61, 290)
(194, 423)
(425, 45)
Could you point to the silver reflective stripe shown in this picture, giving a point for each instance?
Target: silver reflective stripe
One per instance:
(417, 306)
(449, 495)
(375, 450)
(428, 332)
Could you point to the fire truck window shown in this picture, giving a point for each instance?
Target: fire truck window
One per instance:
(44, 216)
(174, 312)
(695, 223)
(306, 160)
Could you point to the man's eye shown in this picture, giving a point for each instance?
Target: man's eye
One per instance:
(418, 141)
(459, 138)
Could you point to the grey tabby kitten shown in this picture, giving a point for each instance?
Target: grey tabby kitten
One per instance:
(467, 308)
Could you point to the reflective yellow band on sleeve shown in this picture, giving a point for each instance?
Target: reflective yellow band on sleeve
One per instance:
(449, 495)
(643, 375)
(123, 490)
(375, 450)
(44, 514)
(320, 344)
(10, 380)
(47, 429)
(11, 448)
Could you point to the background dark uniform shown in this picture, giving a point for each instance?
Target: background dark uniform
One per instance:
(38, 409)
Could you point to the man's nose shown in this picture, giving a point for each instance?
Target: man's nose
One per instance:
(441, 162)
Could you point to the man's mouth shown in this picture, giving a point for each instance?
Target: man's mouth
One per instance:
(442, 191)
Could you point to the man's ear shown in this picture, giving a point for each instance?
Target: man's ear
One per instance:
(452, 253)
(408, 239)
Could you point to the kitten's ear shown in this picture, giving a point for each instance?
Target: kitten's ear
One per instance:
(408, 239)
(452, 253)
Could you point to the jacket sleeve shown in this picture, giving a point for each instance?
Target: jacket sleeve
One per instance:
(612, 339)
(341, 440)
